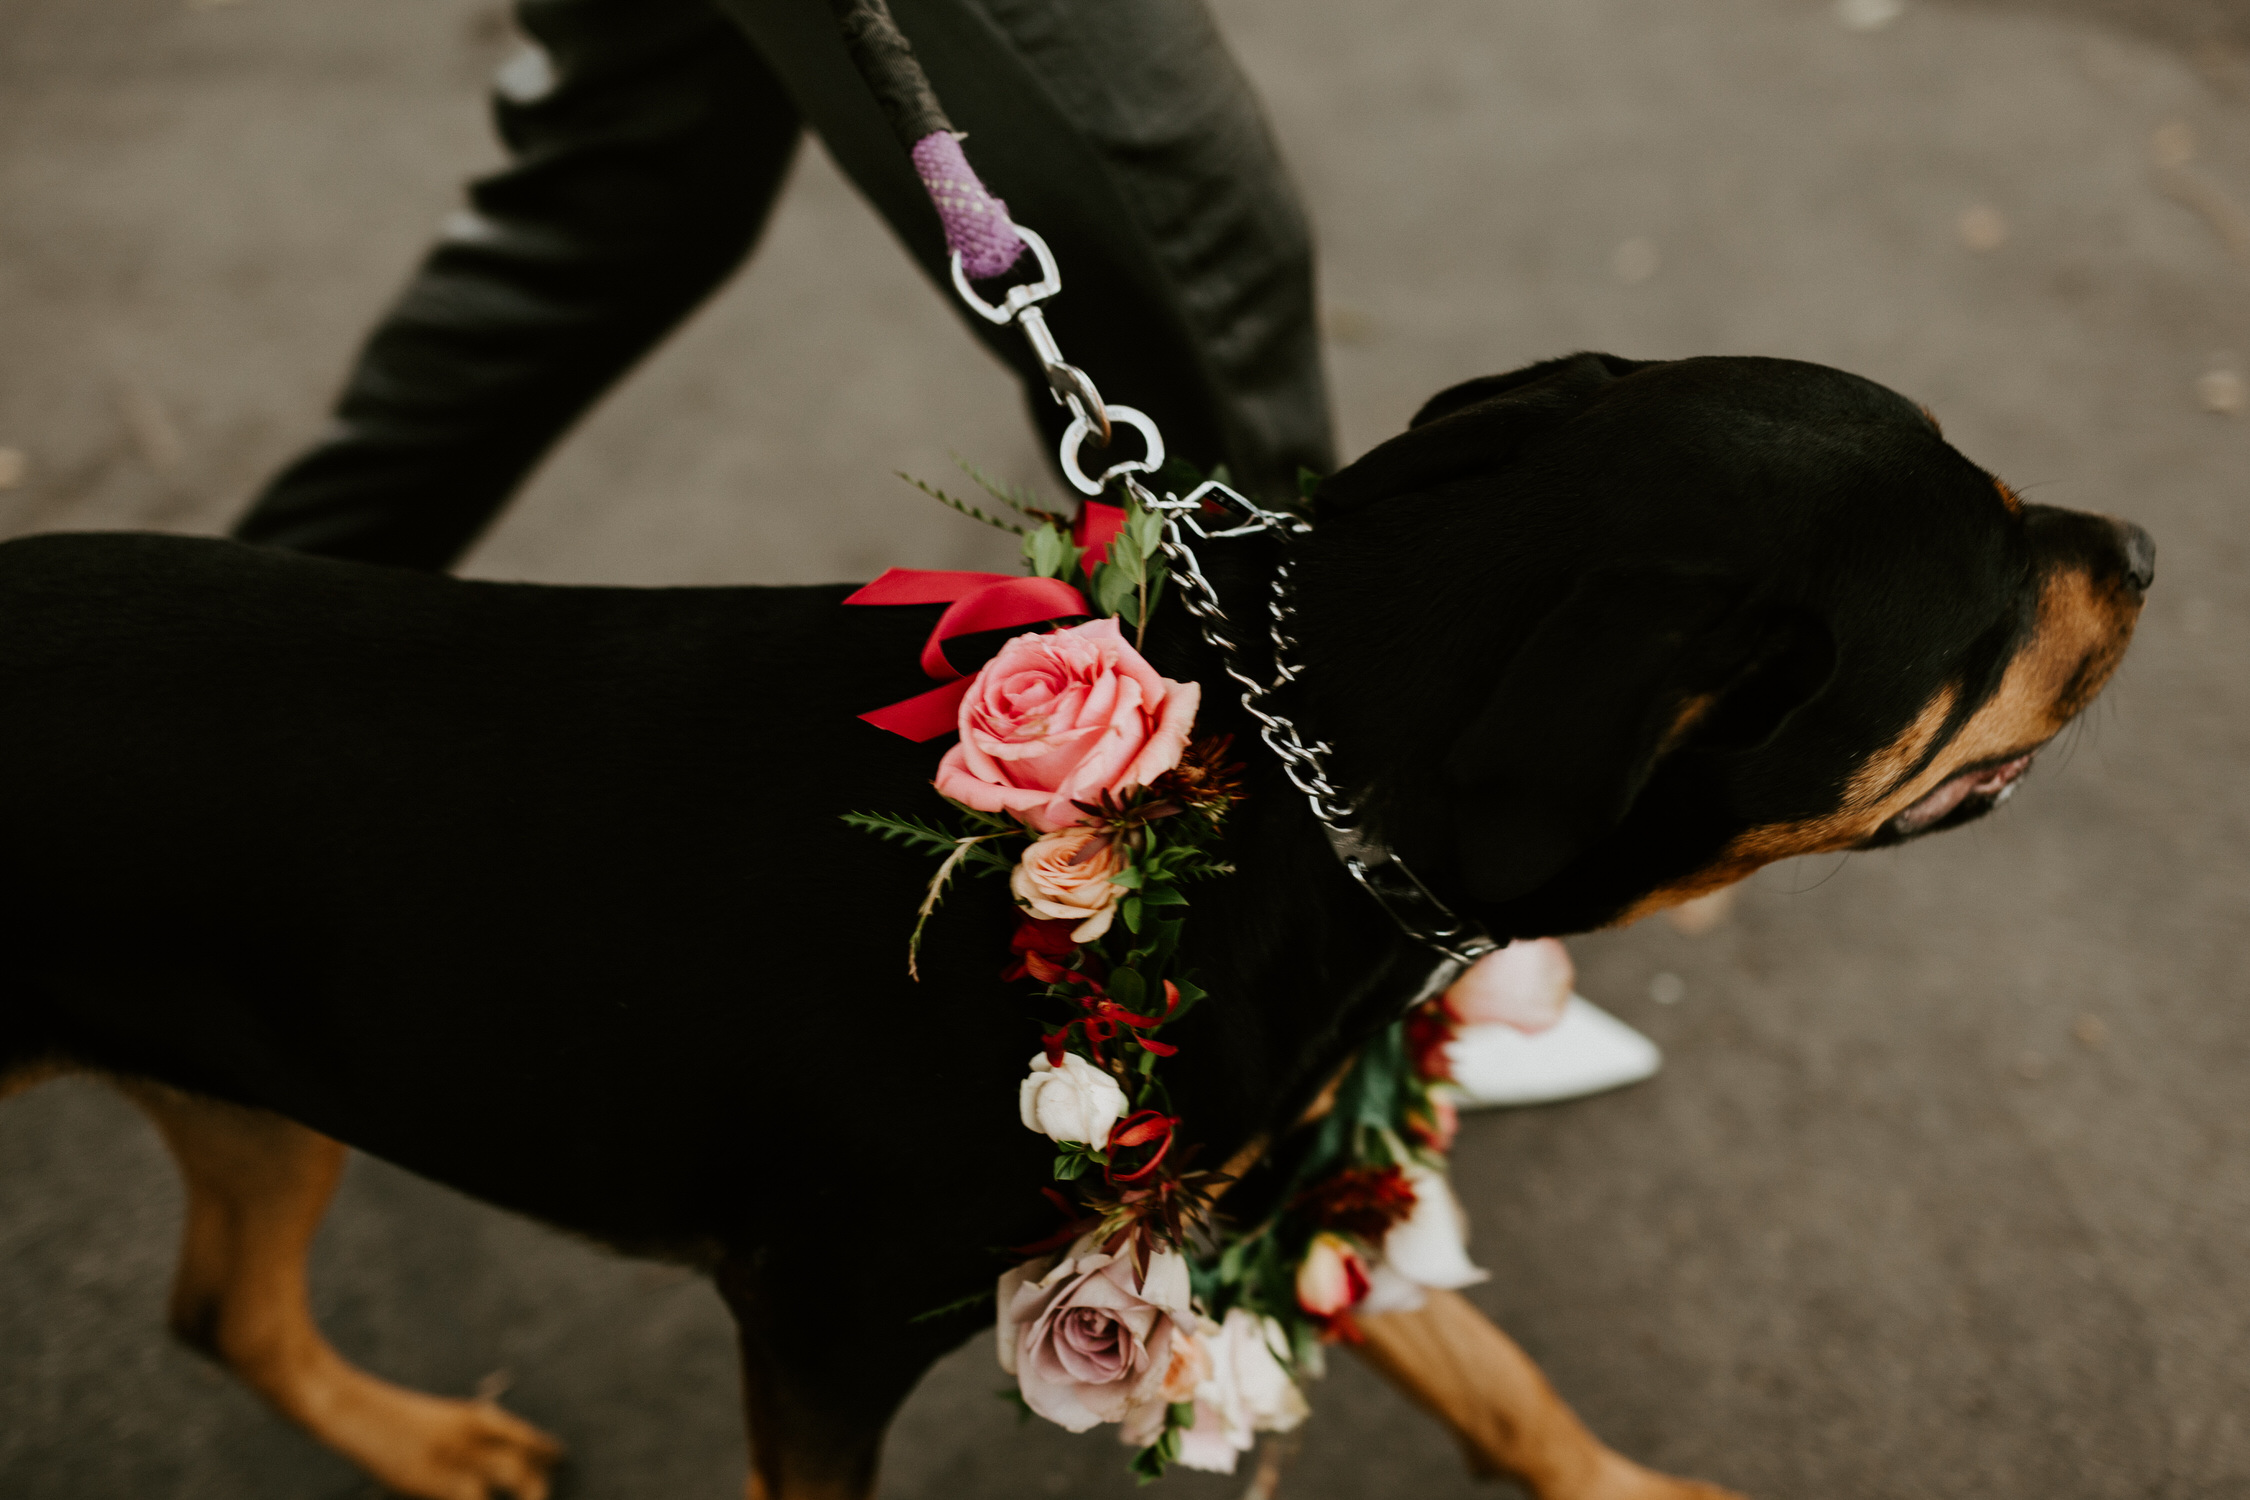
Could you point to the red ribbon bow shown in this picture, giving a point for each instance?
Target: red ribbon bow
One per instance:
(978, 601)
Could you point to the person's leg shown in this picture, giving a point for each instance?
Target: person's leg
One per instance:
(1123, 132)
(648, 141)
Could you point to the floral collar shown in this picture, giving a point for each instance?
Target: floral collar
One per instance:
(1079, 777)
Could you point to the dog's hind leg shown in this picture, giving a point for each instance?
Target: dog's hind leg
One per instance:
(257, 1185)
(1451, 1360)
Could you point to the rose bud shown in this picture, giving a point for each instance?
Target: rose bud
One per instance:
(1524, 985)
(1074, 1101)
(1436, 1128)
(1332, 1278)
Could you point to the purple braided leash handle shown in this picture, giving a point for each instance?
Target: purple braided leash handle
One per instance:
(976, 223)
(977, 227)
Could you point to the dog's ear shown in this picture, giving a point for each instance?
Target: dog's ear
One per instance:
(1640, 660)
(1477, 425)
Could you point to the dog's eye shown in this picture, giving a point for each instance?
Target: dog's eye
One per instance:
(1961, 797)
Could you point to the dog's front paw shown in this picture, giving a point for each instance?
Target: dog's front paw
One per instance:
(432, 1448)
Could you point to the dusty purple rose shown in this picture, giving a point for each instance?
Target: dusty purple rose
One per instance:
(1085, 1338)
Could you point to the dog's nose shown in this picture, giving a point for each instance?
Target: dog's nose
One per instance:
(2140, 556)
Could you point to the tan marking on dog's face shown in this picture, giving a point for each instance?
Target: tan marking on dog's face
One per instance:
(2078, 638)
(1691, 713)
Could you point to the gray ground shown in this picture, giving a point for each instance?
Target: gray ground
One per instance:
(1943, 1192)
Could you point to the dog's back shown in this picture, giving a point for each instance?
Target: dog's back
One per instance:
(289, 832)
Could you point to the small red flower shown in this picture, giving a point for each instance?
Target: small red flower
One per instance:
(1428, 1030)
(1148, 1128)
(1365, 1201)
(1044, 939)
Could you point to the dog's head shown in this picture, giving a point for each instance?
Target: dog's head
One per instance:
(1602, 635)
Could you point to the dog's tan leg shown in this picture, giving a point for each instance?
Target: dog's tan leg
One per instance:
(1451, 1360)
(257, 1185)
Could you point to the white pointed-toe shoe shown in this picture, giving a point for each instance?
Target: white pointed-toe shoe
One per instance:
(1586, 1052)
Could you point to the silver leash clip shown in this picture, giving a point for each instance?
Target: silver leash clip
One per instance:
(1091, 419)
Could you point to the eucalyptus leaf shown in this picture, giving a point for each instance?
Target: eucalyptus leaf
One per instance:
(1128, 988)
(1113, 588)
(1048, 552)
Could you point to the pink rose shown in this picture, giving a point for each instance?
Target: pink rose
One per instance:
(1331, 1279)
(1524, 985)
(1062, 718)
(1086, 1340)
(1066, 875)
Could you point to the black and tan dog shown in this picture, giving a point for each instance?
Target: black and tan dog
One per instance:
(542, 892)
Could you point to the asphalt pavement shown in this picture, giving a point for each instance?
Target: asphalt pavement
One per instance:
(1944, 1191)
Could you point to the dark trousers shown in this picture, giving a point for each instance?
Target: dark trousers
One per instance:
(648, 139)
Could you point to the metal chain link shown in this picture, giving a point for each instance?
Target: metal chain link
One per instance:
(1418, 912)
(1306, 765)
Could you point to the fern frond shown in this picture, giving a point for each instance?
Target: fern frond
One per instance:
(963, 506)
(910, 831)
(1024, 501)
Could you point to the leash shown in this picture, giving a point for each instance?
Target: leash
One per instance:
(984, 243)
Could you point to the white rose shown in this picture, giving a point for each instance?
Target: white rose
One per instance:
(1429, 1248)
(1074, 1102)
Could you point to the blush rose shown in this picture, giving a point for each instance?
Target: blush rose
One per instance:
(1061, 718)
(1247, 1390)
(1525, 985)
(1066, 875)
(1086, 1339)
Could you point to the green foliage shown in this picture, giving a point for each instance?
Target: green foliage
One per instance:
(963, 506)
(1150, 1463)
(1048, 553)
(915, 833)
(1130, 582)
(1022, 501)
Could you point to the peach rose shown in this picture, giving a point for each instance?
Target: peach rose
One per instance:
(1066, 876)
(1087, 1341)
(1061, 718)
(1188, 1372)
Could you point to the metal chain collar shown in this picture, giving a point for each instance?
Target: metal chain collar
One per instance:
(1459, 941)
